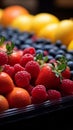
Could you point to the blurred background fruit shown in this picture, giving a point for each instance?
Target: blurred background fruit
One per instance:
(23, 22)
(1, 13)
(48, 32)
(70, 46)
(11, 12)
(42, 19)
(65, 31)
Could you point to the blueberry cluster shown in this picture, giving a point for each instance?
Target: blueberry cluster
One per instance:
(42, 45)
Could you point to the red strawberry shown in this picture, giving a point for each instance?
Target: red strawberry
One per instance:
(3, 58)
(38, 94)
(53, 94)
(66, 87)
(47, 77)
(66, 74)
(50, 74)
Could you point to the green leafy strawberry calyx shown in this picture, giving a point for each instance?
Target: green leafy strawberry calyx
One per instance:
(59, 66)
(9, 47)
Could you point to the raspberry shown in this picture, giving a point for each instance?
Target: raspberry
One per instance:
(9, 70)
(25, 58)
(3, 58)
(39, 94)
(66, 87)
(33, 68)
(22, 79)
(53, 94)
(18, 67)
(30, 50)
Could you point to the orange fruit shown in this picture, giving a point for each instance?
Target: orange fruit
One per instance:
(4, 105)
(42, 19)
(22, 22)
(48, 31)
(11, 12)
(65, 31)
(6, 83)
(18, 98)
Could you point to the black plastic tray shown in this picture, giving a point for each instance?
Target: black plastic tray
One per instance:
(47, 111)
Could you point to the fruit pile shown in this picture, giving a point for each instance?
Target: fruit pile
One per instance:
(36, 58)
(21, 85)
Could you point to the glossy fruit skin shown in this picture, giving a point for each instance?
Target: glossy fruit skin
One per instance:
(11, 12)
(47, 78)
(4, 105)
(18, 98)
(6, 83)
(14, 58)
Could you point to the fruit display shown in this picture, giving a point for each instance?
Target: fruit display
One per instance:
(36, 58)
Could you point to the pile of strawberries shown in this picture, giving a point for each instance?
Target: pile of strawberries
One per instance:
(27, 78)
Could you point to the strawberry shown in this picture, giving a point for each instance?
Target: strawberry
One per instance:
(50, 74)
(18, 67)
(3, 58)
(66, 74)
(14, 56)
(30, 50)
(66, 87)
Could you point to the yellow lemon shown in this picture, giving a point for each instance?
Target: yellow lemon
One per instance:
(48, 31)
(42, 19)
(70, 46)
(65, 31)
(23, 22)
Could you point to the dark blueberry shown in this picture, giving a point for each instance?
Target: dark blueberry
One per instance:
(70, 64)
(52, 52)
(40, 40)
(58, 56)
(1, 28)
(68, 56)
(58, 43)
(70, 52)
(39, 51)
(48, 47)
(50, 57)
(17, 44)
(28, 41)
(23, 46)
(60, 52)
(63, 47)
(48, 41)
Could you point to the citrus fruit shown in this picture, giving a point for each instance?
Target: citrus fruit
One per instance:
(42, 19)
(70, 45)
(48, 32)
(4, 105)
(65, 31)
(1, 13)
(6, 83)
(23, 22)
(18, 98)
(11, 12)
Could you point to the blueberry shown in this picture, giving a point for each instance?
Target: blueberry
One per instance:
(70, 64)
(60, 52)
(39, 51)
(52, 52)
(58, 56)
(68, 56)
(58, 43)
(63, 47)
